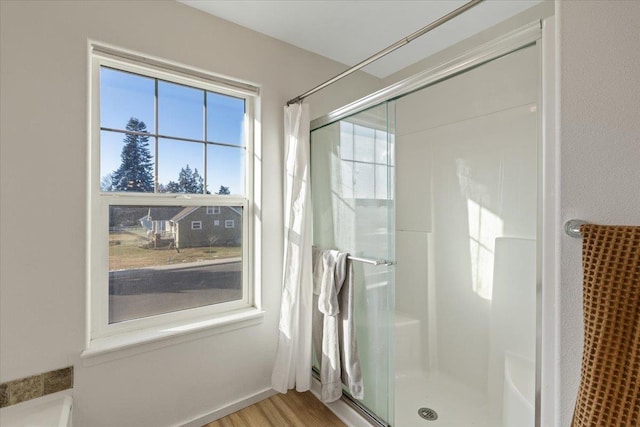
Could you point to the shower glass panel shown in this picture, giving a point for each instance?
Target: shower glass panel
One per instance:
(466, 229)
(352, 176)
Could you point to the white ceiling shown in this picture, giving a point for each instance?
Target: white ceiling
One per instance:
(350, 31)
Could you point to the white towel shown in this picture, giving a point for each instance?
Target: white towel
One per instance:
(334, 336)
(350, 361)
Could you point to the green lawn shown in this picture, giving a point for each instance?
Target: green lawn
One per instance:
(127, 250)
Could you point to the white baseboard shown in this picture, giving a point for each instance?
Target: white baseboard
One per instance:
(346, 413)
(216, 414)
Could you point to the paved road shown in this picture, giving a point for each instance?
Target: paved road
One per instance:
(148, 291)
(178, 279)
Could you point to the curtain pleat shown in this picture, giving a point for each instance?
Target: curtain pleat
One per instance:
(292, 366)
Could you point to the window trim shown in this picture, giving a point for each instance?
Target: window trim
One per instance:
(98, 329)
(196, 223)
(229, 223)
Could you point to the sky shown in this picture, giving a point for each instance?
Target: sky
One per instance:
(180, 114)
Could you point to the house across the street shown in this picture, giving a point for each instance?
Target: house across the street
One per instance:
(196, 226)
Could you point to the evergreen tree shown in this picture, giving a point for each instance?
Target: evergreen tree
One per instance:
(223, 190)
(188, 182)
(106, 182)
(136, 170)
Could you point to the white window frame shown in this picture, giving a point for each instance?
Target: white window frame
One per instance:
(213, 210)
(196, 225)
(229, 223)
(103, 337)
(216, 222)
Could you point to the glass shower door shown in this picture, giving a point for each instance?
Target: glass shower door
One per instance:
(352, 174)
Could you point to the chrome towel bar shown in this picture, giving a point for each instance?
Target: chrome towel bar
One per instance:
(375, 262)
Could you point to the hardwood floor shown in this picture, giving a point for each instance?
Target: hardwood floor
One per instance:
(283, 410)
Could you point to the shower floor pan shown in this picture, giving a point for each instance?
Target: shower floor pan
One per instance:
(455, 404)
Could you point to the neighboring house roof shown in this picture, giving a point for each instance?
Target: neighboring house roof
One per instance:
(161, 213)
(184, 213)
(174, 213)
(188, 211)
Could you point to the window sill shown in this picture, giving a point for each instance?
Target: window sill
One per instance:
(123, 345)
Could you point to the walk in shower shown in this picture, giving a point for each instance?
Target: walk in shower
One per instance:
(434, 189)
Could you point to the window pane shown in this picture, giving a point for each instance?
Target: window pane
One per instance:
(346, 141)
(126, 162)
(124, 96)
(180, 166)
(382, 153)
(159, 263)
(110, 158)
(225, 119)
(364, 180)
(225, 170)
(382, 185)
(363, 144)
(346, 180)
(180, 110)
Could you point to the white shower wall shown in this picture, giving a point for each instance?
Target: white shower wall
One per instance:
(466, 176)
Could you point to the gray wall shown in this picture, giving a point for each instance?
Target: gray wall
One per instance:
(599, 79)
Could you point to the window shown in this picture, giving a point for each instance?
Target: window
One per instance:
(365, 156)
(159, 132)
(216, 222)
(229, 223)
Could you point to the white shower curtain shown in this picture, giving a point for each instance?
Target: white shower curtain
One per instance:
(293, 358)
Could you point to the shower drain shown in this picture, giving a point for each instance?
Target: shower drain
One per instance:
(428, 414)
